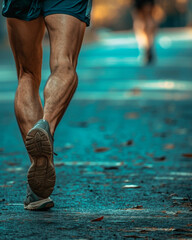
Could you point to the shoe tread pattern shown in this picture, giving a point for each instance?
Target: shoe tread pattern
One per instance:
(41, 174)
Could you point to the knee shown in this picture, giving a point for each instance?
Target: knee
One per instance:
(63, 64)
(63, 67)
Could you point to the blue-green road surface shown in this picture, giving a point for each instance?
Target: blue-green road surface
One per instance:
(124, 146)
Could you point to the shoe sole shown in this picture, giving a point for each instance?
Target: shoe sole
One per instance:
(41, 174)
(43, 204)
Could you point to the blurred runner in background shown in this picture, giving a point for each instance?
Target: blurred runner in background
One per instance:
(145, 27)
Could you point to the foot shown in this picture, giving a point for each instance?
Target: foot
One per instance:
(149, 56)
(33, 202)
(41, 174)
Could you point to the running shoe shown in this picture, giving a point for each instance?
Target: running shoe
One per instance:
(41, 174)
(149, 56)
(33, 202)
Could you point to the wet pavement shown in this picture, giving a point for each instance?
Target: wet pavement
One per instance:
(124, 147)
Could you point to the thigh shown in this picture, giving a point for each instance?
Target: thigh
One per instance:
(81, 9)
(66, 34)
(26, 42)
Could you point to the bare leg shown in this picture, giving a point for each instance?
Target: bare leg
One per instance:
(66, 35)
(145, 27)
(25, 40)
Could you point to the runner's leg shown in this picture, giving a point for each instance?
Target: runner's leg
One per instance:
(145, 26)
(66, 34)
(26, 43)
(150, 26)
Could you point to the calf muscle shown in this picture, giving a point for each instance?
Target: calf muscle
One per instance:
(66, 35)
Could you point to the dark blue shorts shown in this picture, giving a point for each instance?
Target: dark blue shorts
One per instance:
(30, 9)
(139, 4)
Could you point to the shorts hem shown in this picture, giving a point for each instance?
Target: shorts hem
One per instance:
(20, 18)
(85, 20)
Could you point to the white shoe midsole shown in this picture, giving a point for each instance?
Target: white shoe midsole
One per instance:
(37, 204)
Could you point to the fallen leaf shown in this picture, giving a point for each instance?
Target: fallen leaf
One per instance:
(188, 155)
(129, 143)
(160, 158)
(137, 207)
(131, 186)
(144, 231)
(111, 168)
(101, 149)
(169, 146)
(132, 115)
(136, 91)
(97, 219)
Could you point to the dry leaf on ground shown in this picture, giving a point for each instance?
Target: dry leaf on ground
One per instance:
(101, 149)
(97, 219)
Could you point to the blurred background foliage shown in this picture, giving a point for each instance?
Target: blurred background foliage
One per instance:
(117, 14)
